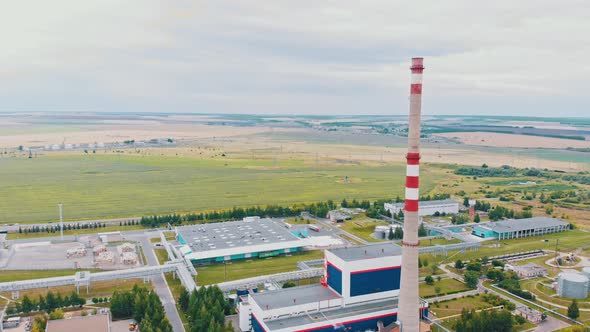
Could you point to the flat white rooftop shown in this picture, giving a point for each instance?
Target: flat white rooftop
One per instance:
(230, 234)
(287, 297)
(350, 254)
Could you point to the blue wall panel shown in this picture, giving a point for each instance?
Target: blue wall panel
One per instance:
(256, 327)
(374, 281)
(335, 279)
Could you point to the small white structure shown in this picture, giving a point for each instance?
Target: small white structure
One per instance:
(105, 257)
(76, 252)
(110, 237)
(11, 323)
(251, 219)
(125, 247)
(572, 285)
(338, 216)
(381, 232)
(99, 248)
(530, 270)
(129, 258)
(529, 314)
(427, 208)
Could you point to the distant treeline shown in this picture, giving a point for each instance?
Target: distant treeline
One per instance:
(271, 211)
(373, 209)
(507, 171)
(56, 228)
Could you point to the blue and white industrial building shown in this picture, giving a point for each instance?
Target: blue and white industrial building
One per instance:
(250, 238)
(517, 228)
(427, 208)
(360, 288)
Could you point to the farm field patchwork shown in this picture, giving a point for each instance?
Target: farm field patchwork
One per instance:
(101, 186)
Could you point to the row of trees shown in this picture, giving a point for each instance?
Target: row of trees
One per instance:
(273, 211)
(47, 303)
(398, 233)
(485, 171)
(491, 321)
(56, 228)
(205, 309)
(142, 305)
(500, 212)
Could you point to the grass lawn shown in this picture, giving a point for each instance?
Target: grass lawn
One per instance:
(212, 274)
(14, 275)
(117, 185)
(170, 236)
(16, 236)
(427, 271)
(161, 255)
(155, 240)
(454, 306)
(362, 227)
(446, 286)
(299, 221)
(441, 241)
(175, 286)
(97, 289)
(568, 241)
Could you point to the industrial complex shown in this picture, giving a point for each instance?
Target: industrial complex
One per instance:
(252, 237)
(517, 228)
(427, 208)
(360, 288)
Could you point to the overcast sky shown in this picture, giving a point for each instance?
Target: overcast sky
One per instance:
(526, 57)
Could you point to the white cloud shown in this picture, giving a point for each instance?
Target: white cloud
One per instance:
(295, 56)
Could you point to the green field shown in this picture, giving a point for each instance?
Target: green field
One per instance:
(98, 186)
(362, 227)
(161, 255)
(453, 307)
(568, 241)
(446, 286)
(14, 275)
(211, 274)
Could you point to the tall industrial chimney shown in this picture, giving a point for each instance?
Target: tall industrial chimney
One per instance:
(409, 306)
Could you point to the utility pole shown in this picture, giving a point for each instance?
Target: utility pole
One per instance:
(61, 221)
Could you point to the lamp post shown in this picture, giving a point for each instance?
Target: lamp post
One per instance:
(61, 221)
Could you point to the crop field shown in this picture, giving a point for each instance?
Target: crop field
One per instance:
(121, 185)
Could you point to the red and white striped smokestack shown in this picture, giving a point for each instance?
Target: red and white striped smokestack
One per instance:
(409, 305)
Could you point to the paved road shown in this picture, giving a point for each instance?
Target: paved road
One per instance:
(160, 284)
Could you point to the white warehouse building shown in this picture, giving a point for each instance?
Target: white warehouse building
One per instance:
(427, 208)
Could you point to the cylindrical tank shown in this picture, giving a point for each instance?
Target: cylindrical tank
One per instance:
(381, 232)
(572, 285)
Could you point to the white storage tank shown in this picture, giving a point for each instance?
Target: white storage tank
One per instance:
(572, 285)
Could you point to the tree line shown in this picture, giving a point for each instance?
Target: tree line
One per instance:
(582, 177)
(490, 321)
(47, 303)
(56, 228)
(205, 309)
(142, 305)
